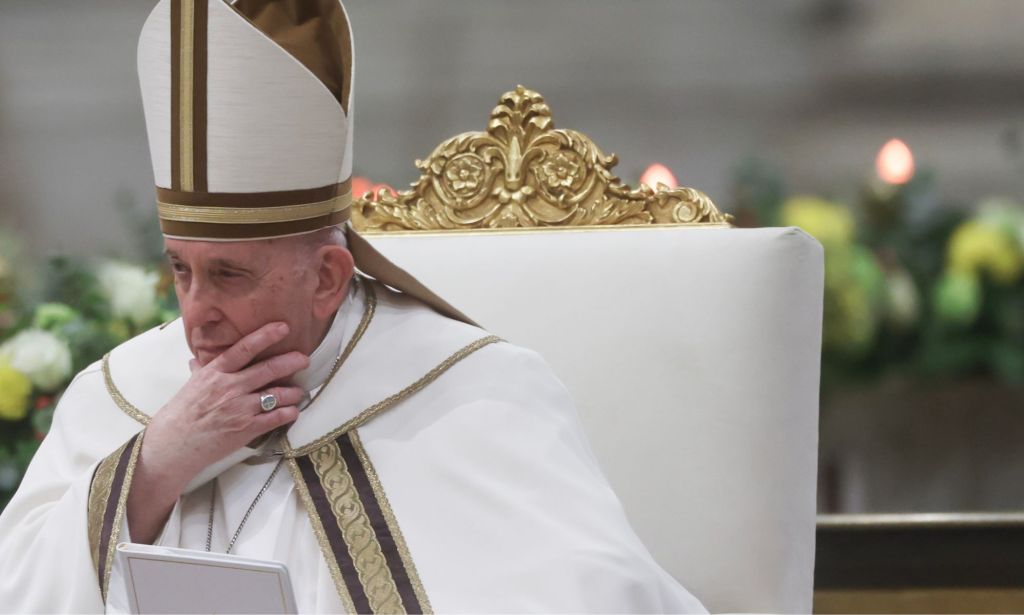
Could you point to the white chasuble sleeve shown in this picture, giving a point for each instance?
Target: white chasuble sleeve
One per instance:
(46, 555)
(501, 502)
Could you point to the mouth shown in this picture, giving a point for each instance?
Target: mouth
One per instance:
(207, 353)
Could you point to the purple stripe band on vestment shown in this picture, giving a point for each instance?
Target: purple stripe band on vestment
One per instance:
(334, 537)
(379, 524)
(110, 513)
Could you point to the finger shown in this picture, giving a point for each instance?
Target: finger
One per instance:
(246, 349)
(269, 421)
(193, 365)
(286, 396)
(279, 367)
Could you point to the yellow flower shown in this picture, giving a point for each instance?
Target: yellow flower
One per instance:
(850, 324)
(15, 388)
(977, 247)
(854, 298)
(830, 223)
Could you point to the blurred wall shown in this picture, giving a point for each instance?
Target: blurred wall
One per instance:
(815, 86)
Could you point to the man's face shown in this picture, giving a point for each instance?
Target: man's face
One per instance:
(227, 290)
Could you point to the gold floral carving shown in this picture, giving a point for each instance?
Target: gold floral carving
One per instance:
(523, 173)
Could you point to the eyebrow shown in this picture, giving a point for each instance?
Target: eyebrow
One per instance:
(229, 264)
(216, 262)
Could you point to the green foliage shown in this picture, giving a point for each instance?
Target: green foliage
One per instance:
(74, 309)
(913, 286)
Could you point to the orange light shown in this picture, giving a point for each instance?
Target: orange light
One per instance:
(363, 185)
(895, 162)
(360, 186)
(658, 174)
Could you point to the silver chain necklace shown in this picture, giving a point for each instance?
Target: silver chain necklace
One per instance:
(245, 517)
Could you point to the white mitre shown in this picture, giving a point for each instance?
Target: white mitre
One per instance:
(249, 114)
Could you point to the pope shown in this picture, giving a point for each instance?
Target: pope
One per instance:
(314, 404)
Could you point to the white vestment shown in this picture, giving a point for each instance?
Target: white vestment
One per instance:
(495, 500)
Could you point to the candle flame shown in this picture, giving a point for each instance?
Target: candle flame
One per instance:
(659, 174)
(895, 162)
(360, 186)
(363, 185)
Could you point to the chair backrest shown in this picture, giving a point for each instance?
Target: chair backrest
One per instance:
(691, 348)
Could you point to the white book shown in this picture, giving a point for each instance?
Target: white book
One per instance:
(167, 580)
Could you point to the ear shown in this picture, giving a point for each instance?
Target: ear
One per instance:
(333, 277)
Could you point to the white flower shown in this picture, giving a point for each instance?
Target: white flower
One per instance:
(130, 290)
(40, 355)
(902, 301)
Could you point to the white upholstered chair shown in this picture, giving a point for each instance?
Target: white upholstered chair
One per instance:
(691, 348)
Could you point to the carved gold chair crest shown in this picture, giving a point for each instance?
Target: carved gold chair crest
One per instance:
(524, 173)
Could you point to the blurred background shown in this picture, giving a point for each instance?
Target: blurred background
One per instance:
(891, 131)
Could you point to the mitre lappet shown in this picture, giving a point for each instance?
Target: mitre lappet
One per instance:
(248, 108)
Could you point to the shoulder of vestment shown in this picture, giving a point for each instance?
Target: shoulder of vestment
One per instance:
(406, 349)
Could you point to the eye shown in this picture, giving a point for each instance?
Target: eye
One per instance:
(227, 274)
(179, 267)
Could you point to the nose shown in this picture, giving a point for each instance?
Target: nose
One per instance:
(199, 305)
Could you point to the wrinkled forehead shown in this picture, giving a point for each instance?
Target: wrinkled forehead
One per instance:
(257, 252)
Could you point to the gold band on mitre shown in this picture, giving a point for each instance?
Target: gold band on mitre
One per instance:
(252, 215)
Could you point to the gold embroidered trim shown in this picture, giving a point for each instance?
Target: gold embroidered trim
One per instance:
(392, 521)
(185, 109)
(118, 398)
(99, 494)
(122, 503)
(369, 309)
(318, 531)
(356, 529)
(390, 401)
(252, 215)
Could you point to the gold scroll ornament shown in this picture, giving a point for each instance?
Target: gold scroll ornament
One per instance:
(523, 173)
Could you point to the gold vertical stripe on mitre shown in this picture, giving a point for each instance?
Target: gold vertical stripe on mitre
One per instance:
(186, 91)
(175, 94)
